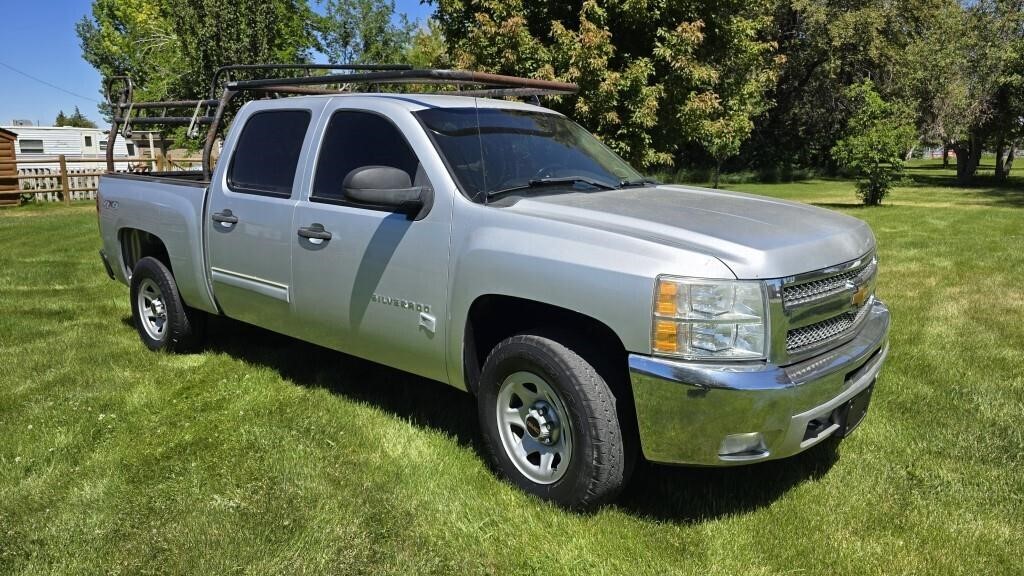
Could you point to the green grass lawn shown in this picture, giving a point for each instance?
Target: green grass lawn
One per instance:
(267, 455)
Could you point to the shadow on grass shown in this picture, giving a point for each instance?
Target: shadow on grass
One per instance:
(841, 205)
(423, 402)
(1008, 193)
(667, 493)
(688, 495)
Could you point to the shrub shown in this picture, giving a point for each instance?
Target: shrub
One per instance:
(877, 137)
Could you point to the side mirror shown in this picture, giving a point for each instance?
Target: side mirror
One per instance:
(389, 187)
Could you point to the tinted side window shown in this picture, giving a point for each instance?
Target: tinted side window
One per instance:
(268, 151)
(356, 139)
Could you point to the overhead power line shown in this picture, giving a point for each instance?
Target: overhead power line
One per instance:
(51, 85)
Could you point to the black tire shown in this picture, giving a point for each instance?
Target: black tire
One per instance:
(183, 327)
(598, 465)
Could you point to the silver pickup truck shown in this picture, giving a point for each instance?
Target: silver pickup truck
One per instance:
(500, 248)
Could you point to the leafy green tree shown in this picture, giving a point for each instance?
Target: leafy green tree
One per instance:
(364, 32)
(1006, 125)
(170, 48)
(427, 48)
(727, 94)
(133, 38)
(76, 119)
(214, 33)
(659, 81)
(828, 46)
(875, 142)
(951, 60)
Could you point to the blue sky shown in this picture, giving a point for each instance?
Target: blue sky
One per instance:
(40, 40)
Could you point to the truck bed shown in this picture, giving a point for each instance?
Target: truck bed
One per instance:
(170, 206)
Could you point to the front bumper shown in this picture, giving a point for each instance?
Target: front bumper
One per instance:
(686, 410)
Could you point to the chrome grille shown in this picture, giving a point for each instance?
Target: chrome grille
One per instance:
(818, 289)
(821, 333)
(823, 308)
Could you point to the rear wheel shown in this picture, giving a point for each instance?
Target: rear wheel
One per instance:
(162, 320)
(549, 422)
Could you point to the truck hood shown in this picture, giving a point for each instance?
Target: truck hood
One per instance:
(755, 236)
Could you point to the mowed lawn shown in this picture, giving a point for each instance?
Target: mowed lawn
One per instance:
(265, 455)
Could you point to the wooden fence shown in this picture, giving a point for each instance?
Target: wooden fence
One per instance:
(64, 184)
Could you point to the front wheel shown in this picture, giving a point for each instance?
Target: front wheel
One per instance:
(549, 422)
(162, 320)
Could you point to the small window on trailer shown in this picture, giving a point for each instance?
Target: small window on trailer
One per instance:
(88, 141)
(103, 145)
(131, 148)
(30, 146)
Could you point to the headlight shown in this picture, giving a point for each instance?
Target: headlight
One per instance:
(709, 319)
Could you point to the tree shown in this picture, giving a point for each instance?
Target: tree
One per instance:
(364, 32)
(728, 93)
(963, 72)
(876, 138)
(133, 38)
(428, 48)
(659, 81)
(215, 33)
(828, 46)
(77, 120)
(1007, 123)
(170, 48)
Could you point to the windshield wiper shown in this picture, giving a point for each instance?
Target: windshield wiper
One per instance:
(560, 181)
(637, 182)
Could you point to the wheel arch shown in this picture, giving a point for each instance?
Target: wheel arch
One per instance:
(137, 244)
(185, 261)
(494, 317)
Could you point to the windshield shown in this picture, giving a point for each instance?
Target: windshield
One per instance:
(494, 151)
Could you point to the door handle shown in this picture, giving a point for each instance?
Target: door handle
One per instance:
(315, 232)
(225, 217)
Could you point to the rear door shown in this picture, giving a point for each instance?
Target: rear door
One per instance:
(249, 217)
(378, 287)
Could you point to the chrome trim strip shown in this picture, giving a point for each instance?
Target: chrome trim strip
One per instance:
(830, 271)
(835, 284)
(258, 285)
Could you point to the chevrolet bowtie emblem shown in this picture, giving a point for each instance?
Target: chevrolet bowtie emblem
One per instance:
(860, 296)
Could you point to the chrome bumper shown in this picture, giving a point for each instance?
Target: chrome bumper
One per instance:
(686, 410)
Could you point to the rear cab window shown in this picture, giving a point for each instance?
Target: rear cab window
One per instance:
(267, 153)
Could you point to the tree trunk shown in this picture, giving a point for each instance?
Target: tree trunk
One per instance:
(961, 150)
(718, 172)
(968, 155)
(975, 155)
(945, 155)
(1008, 163)
(1000, 149)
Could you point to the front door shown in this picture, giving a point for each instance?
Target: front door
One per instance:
(249, 220)
(377, 287)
